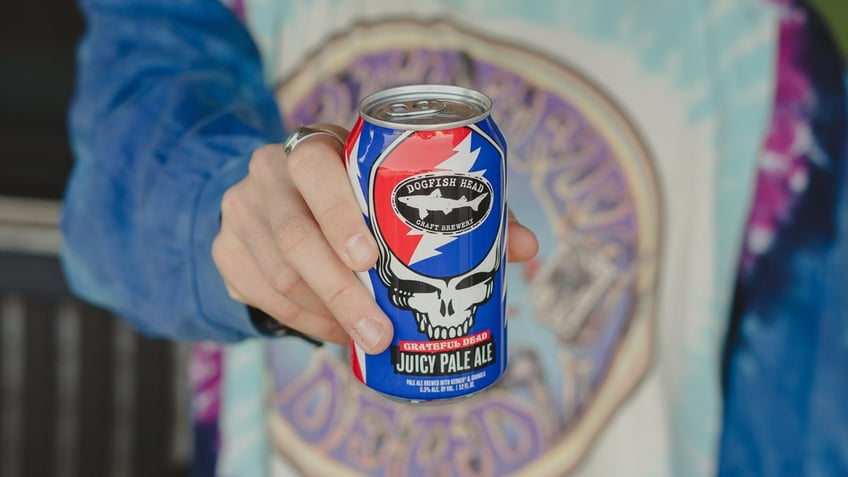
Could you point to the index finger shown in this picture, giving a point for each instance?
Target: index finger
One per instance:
(318, 172)
(304, 247)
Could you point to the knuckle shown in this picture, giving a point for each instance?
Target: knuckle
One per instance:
(305, 158)
(230, 203)
(263, 159)
(298, 162)
(284, 280)
(236, 203)
(339, 214)
(341, 292)
(293, 231)
(286, 312)
(218, 250)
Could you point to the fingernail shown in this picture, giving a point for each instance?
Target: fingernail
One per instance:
(359, 250)
(368, 332)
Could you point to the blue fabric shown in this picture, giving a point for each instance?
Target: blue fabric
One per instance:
(786, 369)
(170, 104)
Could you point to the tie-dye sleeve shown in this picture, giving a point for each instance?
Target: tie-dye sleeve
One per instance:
(170, 103)
(785, 384)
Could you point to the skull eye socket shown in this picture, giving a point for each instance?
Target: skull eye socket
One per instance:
(413, 286)
(474, 279)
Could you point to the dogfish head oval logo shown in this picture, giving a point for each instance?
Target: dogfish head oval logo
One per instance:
(446, 203)
(436, 198)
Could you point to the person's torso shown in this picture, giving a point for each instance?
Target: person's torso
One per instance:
(629, 126)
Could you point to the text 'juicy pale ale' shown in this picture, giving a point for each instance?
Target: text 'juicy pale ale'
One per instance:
(427, 164)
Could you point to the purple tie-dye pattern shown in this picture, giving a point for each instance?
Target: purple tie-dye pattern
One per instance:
(789, 147)
(784, 379)
(205, 372)
(238, 9)
(205, 375)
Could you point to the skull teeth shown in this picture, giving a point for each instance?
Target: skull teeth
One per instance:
(443, 333)
(437, 332)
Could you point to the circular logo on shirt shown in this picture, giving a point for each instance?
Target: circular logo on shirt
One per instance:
(580, 313)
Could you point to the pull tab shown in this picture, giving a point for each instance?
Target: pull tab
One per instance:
(414, 108)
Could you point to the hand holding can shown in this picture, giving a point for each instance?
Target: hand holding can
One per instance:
(291, 234)
(288, 233)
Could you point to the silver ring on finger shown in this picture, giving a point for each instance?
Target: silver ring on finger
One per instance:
(302, 133)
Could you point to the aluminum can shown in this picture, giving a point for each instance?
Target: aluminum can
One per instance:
(427, 164)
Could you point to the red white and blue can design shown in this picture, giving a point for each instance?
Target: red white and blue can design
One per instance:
(427, 164)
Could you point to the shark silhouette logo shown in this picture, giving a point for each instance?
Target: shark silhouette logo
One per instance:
(435, 202)
(448, 203)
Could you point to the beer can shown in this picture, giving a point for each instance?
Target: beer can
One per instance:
(427, 164)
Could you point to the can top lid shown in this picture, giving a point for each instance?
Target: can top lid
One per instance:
(425, 107)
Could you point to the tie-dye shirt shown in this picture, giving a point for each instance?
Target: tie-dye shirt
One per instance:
(635, 133)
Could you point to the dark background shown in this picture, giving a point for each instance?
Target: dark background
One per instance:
(37, 41)
(83, 395)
